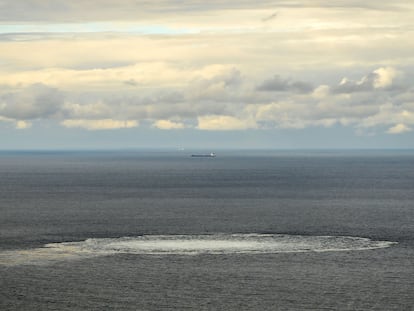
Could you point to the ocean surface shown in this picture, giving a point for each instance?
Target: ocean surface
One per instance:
(158, 230)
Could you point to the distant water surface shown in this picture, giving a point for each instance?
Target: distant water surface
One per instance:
(265, 230)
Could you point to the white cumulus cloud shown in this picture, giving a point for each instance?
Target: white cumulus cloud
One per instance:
(399, 129)
(224, 123)
(168, 125)
(21, 125)
(384, 77)
(103, 124)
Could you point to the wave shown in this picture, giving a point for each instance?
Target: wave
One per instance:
(190, 245)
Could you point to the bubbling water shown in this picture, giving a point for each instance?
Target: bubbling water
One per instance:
(189, 245)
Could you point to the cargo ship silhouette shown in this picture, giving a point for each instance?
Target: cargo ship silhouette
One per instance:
(204, 155)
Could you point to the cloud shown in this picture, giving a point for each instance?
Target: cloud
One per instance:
(217, 87)
(103, 124)
(350, 86)
(32, 102)
(321, 92)
(21, 125)
(277, 84)
(168, 125)
(380, 78)
(213, 97)
(384, 77)
(293, 115)
(91, 110)
(18, 124)
(269, 17)
(399, 129)
(131, 82)
(123, 63)
(98, 10)
(224, 123)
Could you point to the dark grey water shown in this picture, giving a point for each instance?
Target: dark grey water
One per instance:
(242, 231)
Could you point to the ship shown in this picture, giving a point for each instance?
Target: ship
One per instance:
(204, 155)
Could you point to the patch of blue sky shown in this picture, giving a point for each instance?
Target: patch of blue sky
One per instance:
(94, 28)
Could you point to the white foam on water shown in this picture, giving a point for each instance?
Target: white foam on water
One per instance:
(189, 245)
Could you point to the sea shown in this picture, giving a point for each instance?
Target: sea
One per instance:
(245, 230)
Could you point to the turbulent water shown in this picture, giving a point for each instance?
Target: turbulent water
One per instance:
(189, 245)
(242, 231)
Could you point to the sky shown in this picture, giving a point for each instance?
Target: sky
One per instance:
(265, 74)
